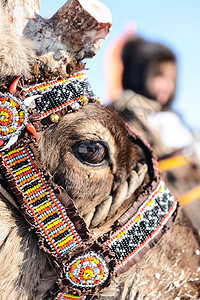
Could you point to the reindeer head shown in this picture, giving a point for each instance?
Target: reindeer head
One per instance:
(91, 154)
(84, 149)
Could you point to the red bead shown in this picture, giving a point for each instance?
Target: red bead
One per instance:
(13, 87)
(32, 130)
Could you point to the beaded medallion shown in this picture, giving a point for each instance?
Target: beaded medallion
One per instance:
(88, 270)
(13, 116)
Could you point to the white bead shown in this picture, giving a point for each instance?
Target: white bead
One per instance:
(75, 106)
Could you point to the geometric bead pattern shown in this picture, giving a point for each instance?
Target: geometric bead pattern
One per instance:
(40, 201)
(42, 87)
(59, 94)
(64, 296)
(144, 226)
(48, 214)
(88, 270)
(13, 116)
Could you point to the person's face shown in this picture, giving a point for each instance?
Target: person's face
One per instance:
(161, 81)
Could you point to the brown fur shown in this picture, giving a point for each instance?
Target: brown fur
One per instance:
(95, 184)
(169, 270)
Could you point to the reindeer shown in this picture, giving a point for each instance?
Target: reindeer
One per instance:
(90, 153)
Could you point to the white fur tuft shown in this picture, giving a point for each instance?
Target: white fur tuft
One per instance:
(15, 50)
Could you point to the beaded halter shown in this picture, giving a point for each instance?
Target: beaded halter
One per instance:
(84, 266)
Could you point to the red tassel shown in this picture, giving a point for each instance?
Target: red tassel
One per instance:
(13, 87)
(1, 143)
(32, 130)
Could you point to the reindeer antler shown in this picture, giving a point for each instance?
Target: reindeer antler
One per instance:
(73, 33)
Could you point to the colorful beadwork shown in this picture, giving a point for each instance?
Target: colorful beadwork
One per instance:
(60, 94)
(88, 270)
(64, 296)
(13, 116)
(41, 87)
(36, 195)
(144, 226)
(40, 201)
(45, 212)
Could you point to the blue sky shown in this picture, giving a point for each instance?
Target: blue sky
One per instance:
(174, 22)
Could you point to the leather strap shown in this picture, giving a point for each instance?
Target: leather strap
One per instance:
(84, 266)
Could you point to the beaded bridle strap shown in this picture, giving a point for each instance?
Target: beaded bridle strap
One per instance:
(84, 266)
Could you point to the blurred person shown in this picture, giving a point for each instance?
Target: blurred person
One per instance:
(149, 80)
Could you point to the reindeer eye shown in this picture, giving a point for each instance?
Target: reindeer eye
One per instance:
(91, 152)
